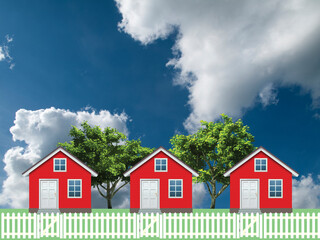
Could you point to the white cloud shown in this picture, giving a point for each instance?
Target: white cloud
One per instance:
(268, 95)
(228, 53)
(1, 54)
(4, 51)
(40, 131)
(306, 192)
(198, 194)
(9, 38)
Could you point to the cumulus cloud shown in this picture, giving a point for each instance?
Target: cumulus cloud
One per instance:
(306, 192)
(231, 54)
(39, 132)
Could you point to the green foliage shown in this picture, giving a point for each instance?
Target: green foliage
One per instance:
(108, 152)
(213, 149)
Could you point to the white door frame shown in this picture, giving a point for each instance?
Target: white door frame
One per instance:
(150, 179)
(258, 190)
(57, 184)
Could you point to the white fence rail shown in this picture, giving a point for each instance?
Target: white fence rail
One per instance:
(163, 226)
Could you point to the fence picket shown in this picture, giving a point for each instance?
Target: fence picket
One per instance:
(207, 225)
(180, 225)
(24, 223)
(212, 224)
(61, 226)
(318, 220)
(152, 222)
(170, 224)
(118, 225)
(201, 225)
(308, 225)
(29, 234)
(2, 225)
(260, 226)
(302, 223)
(313, 225)
(281, 225)
(218, 225)
(138, 225)
(112, 226)
(186, 228)
(124, 218)
(223, 225)
(297, 225)
(291, 224)
(157, 226)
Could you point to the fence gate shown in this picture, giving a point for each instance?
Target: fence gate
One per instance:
(149, 225)
(49, 225)
(249, 225)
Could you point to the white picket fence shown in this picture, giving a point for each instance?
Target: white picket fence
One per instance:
(163, 226)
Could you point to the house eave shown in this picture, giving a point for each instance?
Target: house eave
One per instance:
(147, 158)
(50, 155)
(247, 158)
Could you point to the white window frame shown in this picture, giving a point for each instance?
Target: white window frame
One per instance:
(266, 165)
(175, 185)
(54, 165)
(155, 160)
(74, 185)
(275, 186)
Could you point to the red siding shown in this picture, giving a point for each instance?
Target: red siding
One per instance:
(275, 171)
(74, 171)
(175, 171)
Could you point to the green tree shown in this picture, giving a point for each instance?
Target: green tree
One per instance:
(108, 152)
(212, 150)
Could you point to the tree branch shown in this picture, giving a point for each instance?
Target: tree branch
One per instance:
(222, 189)
(119, 188)
(208, 188)
(113, 186)
(103, 187)
(209, 165)
(101, 192)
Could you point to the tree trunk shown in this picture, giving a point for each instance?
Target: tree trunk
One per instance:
(213, 194)
(109, 195)
(213, 202)
(109, 203)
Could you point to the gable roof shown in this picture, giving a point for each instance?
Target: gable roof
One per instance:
(260, 149)
(50, 155)
(160, 149)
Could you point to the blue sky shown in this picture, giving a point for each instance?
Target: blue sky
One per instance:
(156, 69)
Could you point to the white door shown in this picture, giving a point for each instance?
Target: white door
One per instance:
(249, 194)
(149, 194)
(48, 194)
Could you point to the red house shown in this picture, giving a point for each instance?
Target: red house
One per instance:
(261, 183)
(161, 183)
(60, 182)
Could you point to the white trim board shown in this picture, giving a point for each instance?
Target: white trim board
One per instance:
(260, 149)
(59, 149)
(160, 149)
